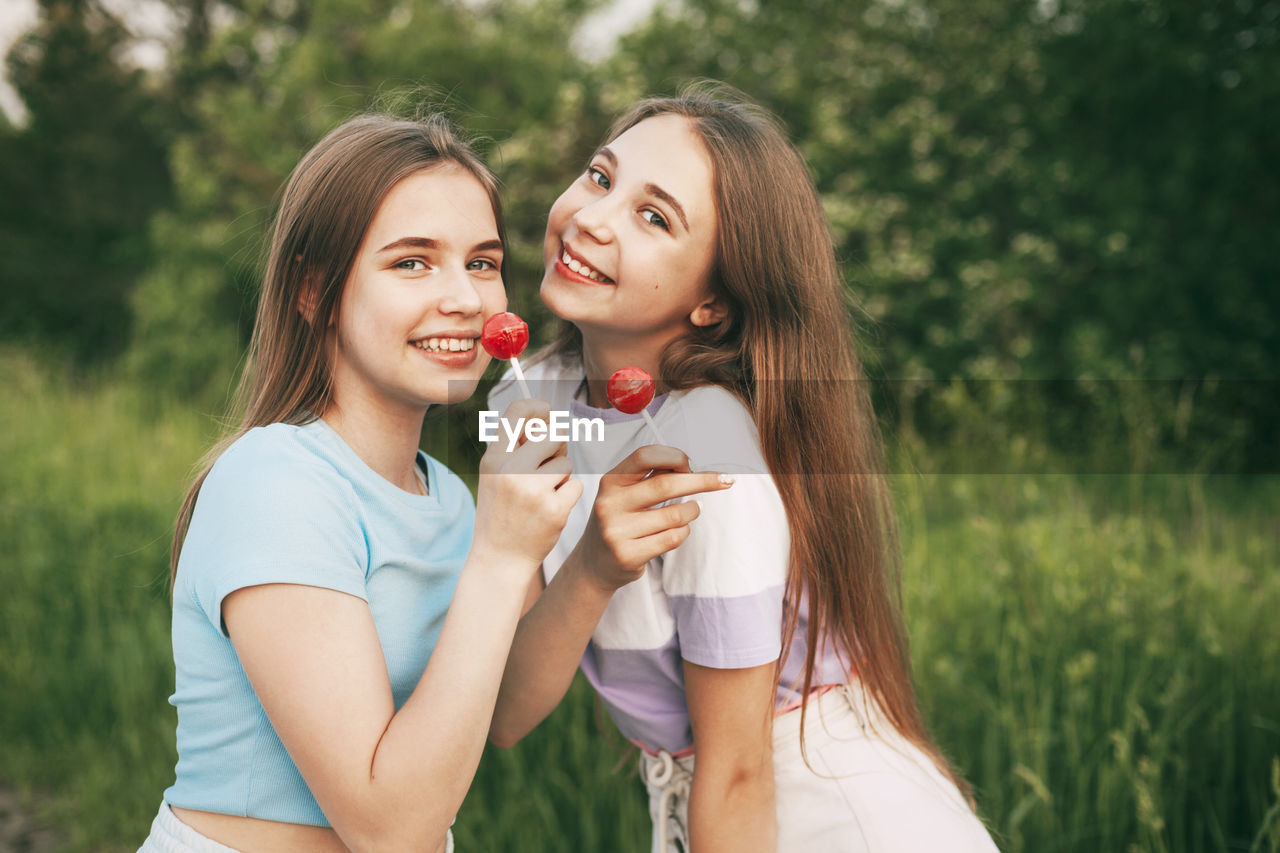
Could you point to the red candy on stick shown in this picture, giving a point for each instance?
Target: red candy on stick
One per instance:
(630, 390)
(505, 336)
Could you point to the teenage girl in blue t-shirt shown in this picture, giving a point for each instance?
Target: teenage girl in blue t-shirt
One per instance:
(695, 246)
(339, 632)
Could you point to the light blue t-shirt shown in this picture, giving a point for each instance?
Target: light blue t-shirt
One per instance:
(289, 504)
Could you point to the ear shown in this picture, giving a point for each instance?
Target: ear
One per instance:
(309, 297)
(709, 312)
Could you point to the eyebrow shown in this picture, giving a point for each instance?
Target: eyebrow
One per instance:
(428, 243)
(655, 190)
(651, 189)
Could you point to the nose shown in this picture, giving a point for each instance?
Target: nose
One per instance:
(593, 220)
(460, 295)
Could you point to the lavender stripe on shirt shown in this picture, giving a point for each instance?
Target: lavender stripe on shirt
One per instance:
(644, 692)
(579, 409)
(729, 633)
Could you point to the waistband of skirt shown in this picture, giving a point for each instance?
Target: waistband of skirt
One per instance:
(840, 712)
(171, 835)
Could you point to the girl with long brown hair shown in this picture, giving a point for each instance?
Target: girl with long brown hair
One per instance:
(770, 643)
(339, 633)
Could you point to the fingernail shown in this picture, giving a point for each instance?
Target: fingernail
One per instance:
(726, 480)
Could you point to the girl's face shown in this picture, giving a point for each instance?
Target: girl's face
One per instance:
(630, 244)
(425, 279)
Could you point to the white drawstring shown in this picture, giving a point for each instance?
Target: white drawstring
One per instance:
(663, 772)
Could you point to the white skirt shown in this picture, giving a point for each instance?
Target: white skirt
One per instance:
(170, 835)
(866, 789)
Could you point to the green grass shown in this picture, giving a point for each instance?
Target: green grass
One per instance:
(1099, 655)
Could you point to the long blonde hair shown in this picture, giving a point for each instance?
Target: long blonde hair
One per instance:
(787, 350)
(324, 210)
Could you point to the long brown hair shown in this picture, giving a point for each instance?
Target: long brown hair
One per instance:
(787, 349)
(325, 208)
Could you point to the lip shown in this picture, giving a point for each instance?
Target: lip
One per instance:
(450, 359)
(450, 333)
(569, 274)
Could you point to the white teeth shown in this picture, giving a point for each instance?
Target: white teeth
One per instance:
(445, 344)
(580, 268)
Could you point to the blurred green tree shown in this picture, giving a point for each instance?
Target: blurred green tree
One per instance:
(78, 183)
(1032, 190)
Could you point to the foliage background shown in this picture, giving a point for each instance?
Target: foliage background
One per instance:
(1057, 221)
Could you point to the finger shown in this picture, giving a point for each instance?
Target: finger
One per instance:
(568, 493)
(558, 466)
(645, 549)
(517, 417)
(532, 454)
(648, 458)
(670, 517)
(665, 487)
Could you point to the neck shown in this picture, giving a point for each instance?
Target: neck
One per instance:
(603, 354)
(386, 440)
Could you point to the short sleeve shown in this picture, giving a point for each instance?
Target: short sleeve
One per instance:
(726, 582)
(270, 513)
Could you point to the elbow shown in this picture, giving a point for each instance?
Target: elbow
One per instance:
(509, 724)
(740, 783)
(502, 741)
(394, 826)
(395, 837)
(504, 737)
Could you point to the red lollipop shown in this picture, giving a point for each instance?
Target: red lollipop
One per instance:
(630, 390)
(505, 336)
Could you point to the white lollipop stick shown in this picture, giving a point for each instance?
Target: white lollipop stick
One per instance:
(652, 425)
(524, 386)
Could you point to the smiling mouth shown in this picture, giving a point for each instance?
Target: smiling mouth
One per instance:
(445, 344)
(582, 269)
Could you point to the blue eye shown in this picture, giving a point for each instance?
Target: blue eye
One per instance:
(654, 218)
(598, 178)
(411, 264)
(483, 264)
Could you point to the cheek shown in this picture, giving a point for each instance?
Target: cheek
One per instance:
(493, 299)
(561, 212)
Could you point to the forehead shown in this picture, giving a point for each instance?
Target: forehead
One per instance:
(667, 151)
(445, 203)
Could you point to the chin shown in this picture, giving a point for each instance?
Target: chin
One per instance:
(554, 297)
(570, 301)
(457, 391)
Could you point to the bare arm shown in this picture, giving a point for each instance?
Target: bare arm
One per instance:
(625, 531)
(390, 779)
(731, 805)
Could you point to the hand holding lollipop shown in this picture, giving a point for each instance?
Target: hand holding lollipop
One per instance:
(630, 390)
(505, 336)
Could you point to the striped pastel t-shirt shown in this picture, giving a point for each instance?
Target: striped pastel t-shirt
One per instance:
(717, 599)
